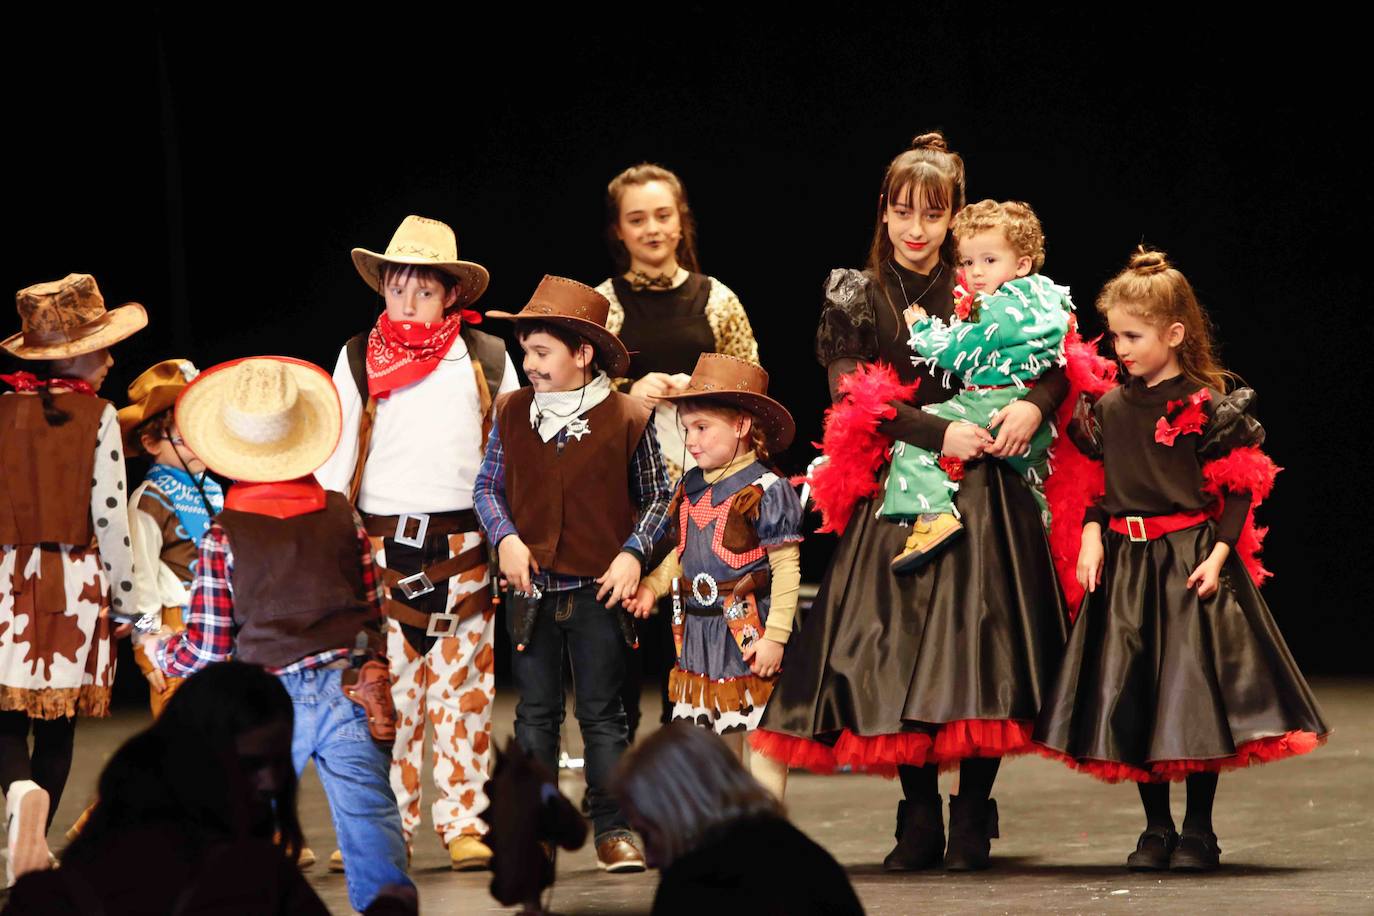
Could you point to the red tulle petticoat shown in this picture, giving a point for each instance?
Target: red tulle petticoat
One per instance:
(882, 754)
(1261, 750)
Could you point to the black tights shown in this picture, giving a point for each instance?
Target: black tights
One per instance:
(1202, 789)
(51, 760)
(976, 775)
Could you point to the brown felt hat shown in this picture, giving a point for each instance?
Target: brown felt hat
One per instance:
(739, 383)
(67, 317)
(423, 242)
(580, 309)
(150, 394)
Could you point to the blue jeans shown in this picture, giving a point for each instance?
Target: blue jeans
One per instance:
(597, 652)
(356, 773)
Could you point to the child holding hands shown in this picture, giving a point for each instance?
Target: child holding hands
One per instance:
(735, 572)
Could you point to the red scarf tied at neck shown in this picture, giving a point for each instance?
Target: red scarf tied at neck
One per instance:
(281, 499)
(403, 353)
(27, 381)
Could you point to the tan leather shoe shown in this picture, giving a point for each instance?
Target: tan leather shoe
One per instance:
(306, 858)
(469, 853)
(928, 533)
(618, 854)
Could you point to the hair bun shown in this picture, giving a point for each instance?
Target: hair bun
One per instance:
(1148, 261)
(932, 140)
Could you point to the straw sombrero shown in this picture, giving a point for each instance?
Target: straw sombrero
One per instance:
(740, 383)
(67, 317)
(261, 419)
(424, 242)
(580, 309)
(150, 394)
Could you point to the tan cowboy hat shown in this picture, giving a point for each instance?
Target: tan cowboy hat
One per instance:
(261, 419)
(580, 309)
(739, 383)
(150, 394)
(67, 317)
(424, 242)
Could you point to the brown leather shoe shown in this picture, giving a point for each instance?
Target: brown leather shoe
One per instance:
(619, 854)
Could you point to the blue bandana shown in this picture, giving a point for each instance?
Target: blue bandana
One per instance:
(179, 489)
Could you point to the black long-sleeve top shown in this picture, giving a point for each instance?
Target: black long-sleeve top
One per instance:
(1146, 476)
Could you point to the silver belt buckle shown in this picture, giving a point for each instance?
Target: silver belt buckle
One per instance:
(704, 589)
(442, 625)
(1134, 522)
(422, 526)
(416, 585)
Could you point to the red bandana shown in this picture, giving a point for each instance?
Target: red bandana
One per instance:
(1188, 417)
(27, 381)
(400, 354)
(281, 499)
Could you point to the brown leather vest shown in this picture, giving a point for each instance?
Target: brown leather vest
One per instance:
(46, 471)
(298, 583)
(178, 552)
(572, 509)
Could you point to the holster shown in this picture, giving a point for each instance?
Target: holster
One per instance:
(370, 687)
(741, 609)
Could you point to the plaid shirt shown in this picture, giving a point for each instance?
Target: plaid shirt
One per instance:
(209, 633)
(648, 485)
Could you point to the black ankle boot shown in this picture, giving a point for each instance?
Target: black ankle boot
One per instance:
(972, 823)
(920, 835)
(1196, 851)
(1153, 849)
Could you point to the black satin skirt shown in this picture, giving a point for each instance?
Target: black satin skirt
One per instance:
(977, 633)
(1164, 683)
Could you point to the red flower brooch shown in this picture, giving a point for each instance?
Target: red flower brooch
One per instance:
(964, 300)
(953, 467)
(1182, 417)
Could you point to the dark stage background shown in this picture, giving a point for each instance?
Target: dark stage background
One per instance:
(219, 171)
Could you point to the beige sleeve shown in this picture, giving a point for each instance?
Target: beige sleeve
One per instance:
(729, 324)
(145, 536)
(661, 579)
(784, 562)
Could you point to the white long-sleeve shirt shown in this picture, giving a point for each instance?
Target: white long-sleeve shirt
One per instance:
(426, 439)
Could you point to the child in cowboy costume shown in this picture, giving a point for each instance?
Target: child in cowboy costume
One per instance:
(574, 493)
(168, 511)
(65, 560)
(735, 574)
(417, 391)
(286, 581)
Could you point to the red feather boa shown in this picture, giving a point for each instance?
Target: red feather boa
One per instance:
(855, 451)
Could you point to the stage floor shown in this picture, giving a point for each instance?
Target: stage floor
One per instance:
(1296, 836)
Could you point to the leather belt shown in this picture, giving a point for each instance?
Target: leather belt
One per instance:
(398, 527)
(439, 624)
(1148, 528)
(737, 589)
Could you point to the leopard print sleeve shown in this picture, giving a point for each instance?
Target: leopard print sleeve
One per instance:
(729, 324)
(615, 320)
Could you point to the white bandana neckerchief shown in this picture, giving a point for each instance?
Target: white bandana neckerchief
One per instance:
(550, 411)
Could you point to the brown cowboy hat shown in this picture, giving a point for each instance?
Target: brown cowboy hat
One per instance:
(154, 391)
(580, 309)
(423, 242)
(739, 383)
(261, 419)
(67, 317)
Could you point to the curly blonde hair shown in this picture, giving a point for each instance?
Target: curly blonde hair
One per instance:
(1016, 220)
(1156, 292)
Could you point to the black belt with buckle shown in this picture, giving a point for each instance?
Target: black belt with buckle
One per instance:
(399, 527)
